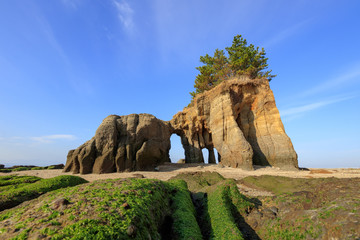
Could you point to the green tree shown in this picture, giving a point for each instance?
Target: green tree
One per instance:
(215, 70)
(242, 59)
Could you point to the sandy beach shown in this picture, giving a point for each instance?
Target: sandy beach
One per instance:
(167, 171)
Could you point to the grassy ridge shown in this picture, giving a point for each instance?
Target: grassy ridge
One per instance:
(220, 212)
(14, 180)
(184, 214)
(226, 205)
(129, 209)
(110, 209)
(199, 181)
(18, 169)
(27, 188)
(220, 204)
(240, 201)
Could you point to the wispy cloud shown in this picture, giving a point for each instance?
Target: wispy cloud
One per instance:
(347, 77)
(51, 138)
(286, 33)
(70, 3)
(125, 14)
(291, 112)
(50, 36)
(41, 139)
(77, 81)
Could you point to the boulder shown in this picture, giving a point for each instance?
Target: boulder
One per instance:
(123, 143)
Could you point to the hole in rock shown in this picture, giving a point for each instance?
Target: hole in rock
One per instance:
(216, 156)
(176, 151)
(205, 153)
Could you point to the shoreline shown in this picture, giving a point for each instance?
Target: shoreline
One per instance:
(167, 171)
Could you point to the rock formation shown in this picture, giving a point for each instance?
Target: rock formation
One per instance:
(238, 118)
(123, 143)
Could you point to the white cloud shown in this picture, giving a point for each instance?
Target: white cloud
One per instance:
(125, 14)
(50, 138)
(291, 112)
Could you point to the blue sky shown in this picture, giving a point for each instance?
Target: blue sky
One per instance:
(66, 65)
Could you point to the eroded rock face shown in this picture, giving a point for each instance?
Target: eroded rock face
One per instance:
(240, 119)
(123, 143)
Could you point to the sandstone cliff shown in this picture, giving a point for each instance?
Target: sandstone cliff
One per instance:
(123, 143)
(238, 118)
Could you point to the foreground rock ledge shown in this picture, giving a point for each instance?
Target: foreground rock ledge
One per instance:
(238, 118)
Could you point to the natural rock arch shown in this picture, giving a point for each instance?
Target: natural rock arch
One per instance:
(238, 117)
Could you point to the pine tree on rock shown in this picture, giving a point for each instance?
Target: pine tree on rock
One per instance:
(241, 60)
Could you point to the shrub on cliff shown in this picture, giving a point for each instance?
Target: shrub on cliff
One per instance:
(241, 59)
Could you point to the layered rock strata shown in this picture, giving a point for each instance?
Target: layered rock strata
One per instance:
(123, 143)
(238, 118)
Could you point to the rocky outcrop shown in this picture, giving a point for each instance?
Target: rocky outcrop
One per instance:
(240, 119)
(123, 143)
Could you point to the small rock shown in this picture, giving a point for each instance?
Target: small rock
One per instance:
(269, 213)
(126, 205)
(274, 209)
(182, 161)
(253, 223)
(256, 214)
(131, 231)
(254, 218)
(41, 236)
(138, 175)
(60, 203)
(56, 166)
